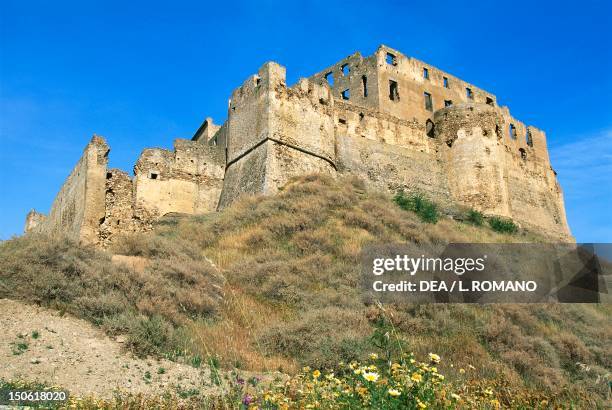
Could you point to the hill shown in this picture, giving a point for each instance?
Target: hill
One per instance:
(272, 284)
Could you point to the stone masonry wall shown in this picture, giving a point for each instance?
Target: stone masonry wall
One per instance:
(275, 133)
(79, 205)
(390, 119)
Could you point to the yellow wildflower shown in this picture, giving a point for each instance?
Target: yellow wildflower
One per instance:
(421, 405)
(434, 369)
(455, 396)
(412, 361)
(316, 374)
(373, 356)
(394, 393)
(370, 376)
(416, 377)
(434, 358)
(461, 371)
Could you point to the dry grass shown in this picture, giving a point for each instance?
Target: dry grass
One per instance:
(292, 296)
(148, 301)
(293, 259)
(229, 340)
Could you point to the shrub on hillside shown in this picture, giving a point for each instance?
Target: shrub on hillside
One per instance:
(474, 217)
(417, 203)
(502, 225)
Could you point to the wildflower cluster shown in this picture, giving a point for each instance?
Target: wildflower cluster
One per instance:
(376, 383)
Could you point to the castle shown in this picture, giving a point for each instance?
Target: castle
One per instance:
(390, 119)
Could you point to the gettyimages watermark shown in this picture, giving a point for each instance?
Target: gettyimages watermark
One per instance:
(488, 273)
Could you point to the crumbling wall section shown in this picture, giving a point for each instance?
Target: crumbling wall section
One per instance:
(275, 133)
(33, 220)
(78, 208)
(491, 169)
(388, 152)
(473, 157)
(413, 79)
(119, 206)
(186, 180)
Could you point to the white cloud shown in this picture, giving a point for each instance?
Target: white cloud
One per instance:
(585, 166)
(584, 169)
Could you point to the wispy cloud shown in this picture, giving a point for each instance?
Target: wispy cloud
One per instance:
(585, 172)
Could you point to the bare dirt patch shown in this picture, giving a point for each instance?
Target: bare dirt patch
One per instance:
(39, 344)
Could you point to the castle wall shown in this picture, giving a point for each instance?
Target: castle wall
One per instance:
(497, 174)
(79, 205)
(33, 219)
(386, 65)
(408, 73)
(186, 180)
(119, 209)
(275, 133)
(366, 116)
(474, 156)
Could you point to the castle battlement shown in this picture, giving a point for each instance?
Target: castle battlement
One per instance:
(390, 119)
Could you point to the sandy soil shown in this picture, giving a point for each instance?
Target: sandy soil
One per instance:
(73, 354)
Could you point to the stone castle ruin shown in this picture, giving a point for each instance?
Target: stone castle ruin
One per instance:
(390, 119)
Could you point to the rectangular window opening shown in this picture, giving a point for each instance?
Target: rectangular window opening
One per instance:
(153, 175)
(391, 59)
(425, 73)
(364, 84)
(346, 94)
(512, 131)
(428, 101)
(448, 103)
(445, 81)
(345, 69)
(469, 93)
(342, 121)
(329, 77)
(490, 101)
(393, 91)
(529, 138)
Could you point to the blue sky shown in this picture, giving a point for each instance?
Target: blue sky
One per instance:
(144, 73)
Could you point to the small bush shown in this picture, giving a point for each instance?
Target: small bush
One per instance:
(502, 225)
(474, 217)
(426, 210)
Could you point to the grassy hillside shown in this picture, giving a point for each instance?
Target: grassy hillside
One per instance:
(284, 293)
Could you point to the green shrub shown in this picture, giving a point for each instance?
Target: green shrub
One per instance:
(426, 210)
(474, 217)
(502, 225)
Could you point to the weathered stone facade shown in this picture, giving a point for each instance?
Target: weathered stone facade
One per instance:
(393, 120)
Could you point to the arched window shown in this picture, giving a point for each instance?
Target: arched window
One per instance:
(430, 129)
